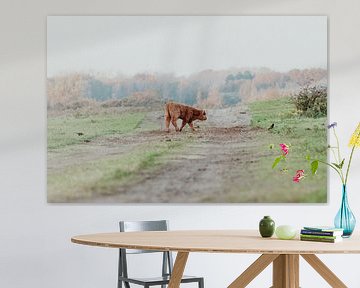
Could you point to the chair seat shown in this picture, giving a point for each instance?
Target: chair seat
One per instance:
(158, 280)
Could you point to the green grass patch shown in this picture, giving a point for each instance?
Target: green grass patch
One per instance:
(307, 136)
(69, 130)
(104, 177)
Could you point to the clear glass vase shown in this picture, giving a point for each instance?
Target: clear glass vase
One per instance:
(345, 219)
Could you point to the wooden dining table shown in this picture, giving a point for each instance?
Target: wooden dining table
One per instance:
(283, 254)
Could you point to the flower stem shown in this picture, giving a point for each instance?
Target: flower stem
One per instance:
(338, 149)
(336, 169)
(337, 142)
(333, 152)
(348, 167)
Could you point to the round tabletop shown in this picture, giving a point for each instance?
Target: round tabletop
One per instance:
(217, 241)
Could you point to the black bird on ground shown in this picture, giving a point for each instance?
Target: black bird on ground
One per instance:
(272, 126)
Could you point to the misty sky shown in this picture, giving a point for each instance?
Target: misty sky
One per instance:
(183, 44)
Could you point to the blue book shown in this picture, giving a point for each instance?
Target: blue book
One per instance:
(322, 231)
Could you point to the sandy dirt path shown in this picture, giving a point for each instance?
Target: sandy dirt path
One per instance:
(207, 171)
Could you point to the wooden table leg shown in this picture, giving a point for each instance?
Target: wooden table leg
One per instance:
(286, 271)
(293, 262)
(253, 270)
(324, 271)
(178, 269)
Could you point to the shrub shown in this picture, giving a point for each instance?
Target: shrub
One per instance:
(311, 101)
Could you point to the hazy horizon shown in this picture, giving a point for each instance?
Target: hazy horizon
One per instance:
(183, 45)
(112, 74)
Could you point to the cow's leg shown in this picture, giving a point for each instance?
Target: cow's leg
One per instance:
(183, 125)
(192, 126)
(167, 123)
(173, 121)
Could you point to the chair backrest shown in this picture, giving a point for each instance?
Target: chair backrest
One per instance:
(134, 226)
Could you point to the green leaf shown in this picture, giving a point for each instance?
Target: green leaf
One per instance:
(277, 161)
(342, 163)
(271, 146)
(336, 165)
(314, 166)
(308, 157)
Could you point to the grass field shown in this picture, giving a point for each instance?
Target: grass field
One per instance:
(70, 129)
(120, 152)
(102, 177)
(307, 136)
(86, 174)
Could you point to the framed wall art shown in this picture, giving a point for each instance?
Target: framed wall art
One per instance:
(186, 109)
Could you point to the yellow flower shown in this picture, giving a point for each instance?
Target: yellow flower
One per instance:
(355, 138)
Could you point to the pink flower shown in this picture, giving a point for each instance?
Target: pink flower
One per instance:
(300, 174)
(284, 148)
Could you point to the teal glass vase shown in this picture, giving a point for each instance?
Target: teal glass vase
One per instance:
(345, 219)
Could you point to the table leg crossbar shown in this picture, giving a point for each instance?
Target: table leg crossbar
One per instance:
(324, 271)
(178, 270)
(285, 271)
(254, 269)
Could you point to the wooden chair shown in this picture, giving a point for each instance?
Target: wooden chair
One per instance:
(167, 262)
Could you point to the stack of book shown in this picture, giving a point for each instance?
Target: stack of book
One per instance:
(321, 234)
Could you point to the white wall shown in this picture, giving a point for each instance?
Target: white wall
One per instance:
(35, 248)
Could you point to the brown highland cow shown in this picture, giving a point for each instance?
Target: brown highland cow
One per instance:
(175, 111)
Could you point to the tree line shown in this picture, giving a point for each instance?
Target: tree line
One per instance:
(210, 88)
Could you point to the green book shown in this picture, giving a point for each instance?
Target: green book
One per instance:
(325, 240)
(319, 236)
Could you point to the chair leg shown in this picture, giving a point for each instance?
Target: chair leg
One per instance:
(120, 270)
(201, 283)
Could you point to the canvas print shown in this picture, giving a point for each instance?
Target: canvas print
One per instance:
(186, 109)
